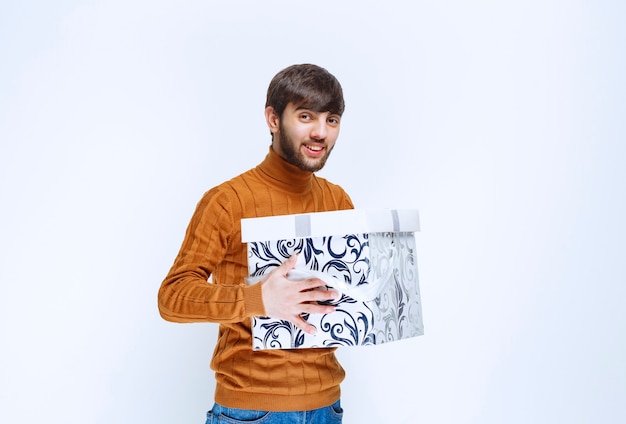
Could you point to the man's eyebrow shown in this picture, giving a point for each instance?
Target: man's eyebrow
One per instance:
(307, 109)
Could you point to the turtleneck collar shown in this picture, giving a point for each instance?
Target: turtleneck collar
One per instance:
(284, 175)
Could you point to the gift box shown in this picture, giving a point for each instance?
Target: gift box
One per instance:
(368, 256)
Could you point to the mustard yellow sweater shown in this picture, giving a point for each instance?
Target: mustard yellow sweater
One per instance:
(278, 380)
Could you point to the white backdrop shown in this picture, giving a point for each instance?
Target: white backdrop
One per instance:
(502, 122)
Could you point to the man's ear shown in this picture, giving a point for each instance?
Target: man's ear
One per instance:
(272, 119)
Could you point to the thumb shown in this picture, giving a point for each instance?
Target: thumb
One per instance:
(290, 263)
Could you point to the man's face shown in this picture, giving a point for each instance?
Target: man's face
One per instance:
(305, 138)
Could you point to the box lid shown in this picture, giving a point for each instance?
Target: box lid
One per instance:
(320, 224)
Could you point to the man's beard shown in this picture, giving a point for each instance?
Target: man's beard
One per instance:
(294, 156)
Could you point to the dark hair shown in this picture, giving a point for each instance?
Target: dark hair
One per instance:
(307, 86)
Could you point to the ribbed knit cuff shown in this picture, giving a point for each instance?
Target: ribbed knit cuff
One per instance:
(253, 299)
(276, 402)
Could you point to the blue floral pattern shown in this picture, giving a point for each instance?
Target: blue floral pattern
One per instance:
(384, 262)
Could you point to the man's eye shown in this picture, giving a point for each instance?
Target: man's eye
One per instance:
(305, 116)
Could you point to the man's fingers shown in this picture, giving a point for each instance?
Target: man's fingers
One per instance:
(314, 290)
(311, 308)
(311, 284)
(316, 308)
(319, 295)
(290, 263)
(303, 325)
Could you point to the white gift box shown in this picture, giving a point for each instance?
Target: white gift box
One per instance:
(367, 255)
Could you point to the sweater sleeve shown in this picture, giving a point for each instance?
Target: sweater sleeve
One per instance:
(186, 295)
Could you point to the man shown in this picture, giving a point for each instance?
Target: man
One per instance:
(303, 112)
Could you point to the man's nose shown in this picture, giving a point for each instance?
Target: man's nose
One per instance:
(319, 130)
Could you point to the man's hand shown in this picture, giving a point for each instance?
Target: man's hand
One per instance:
(286, 299)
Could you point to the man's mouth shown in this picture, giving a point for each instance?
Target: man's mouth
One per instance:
(314, 148)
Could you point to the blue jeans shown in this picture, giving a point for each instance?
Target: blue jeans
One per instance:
(328, 415)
